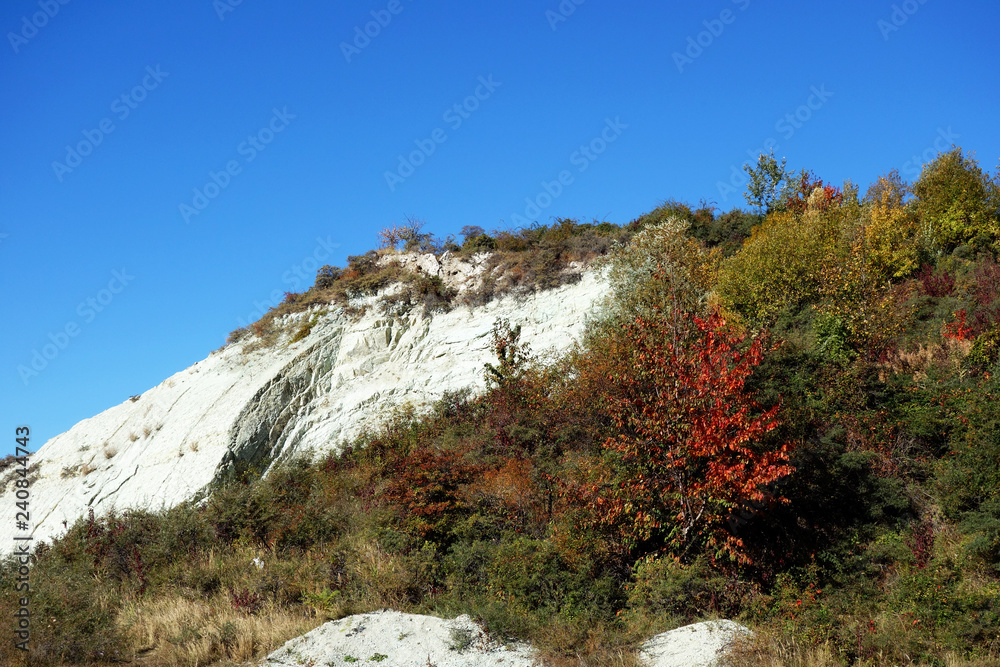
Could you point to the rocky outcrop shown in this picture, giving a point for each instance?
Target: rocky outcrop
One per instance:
(697, 645)
(242, 409)
(460, 273)
(395, 639)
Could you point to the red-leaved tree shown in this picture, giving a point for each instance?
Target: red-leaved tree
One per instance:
(688, 452)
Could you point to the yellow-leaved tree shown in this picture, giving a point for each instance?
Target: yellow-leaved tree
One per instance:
(780, 264)
(837, 255)
(957, 203)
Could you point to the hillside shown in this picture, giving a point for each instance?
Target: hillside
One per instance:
(248, 405)
(784, 416)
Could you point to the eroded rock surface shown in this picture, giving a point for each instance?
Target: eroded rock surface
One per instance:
(241, 409)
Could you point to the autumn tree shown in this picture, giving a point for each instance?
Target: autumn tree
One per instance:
(512, 355)
(841, 256)
(689, 450)
(805, 192)
(889, 189)
(878, 245)
(779, 266)
(470, 232)
(388, 237)
(957, 203)
(660, 266)
(515, 392)
(409, 234)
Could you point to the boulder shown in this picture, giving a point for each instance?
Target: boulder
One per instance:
(394, 639)
(697, 645)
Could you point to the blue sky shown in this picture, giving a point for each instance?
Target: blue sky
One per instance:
(170, 167)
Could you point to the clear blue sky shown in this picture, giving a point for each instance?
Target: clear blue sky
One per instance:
(308, 130)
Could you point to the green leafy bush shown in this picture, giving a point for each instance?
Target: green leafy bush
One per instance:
(958, 203)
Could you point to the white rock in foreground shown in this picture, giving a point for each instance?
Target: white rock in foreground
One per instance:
(697, 645)
(394, 639)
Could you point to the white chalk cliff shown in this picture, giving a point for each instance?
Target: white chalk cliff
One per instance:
(239, 408)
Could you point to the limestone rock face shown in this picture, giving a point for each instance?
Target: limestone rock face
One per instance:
(461, 273)
(246, 409)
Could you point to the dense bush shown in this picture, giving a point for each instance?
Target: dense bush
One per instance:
(779, 266)
(958, 204)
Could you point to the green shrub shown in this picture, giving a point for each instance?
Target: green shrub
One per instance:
(675, 593)
(779, 266)
(659, 267)
(481, 243)
(985, 350)
(958, 203)
(530, 574)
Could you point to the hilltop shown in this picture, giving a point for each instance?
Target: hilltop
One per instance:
(785, 416)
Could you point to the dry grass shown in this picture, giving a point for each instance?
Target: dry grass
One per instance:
(385, 576)
(109, 452)
(958, 661)
(768, 650)
(178, 632)
(604, 658)
(173, 630)
(599, 647)
(917, 362)
(132, 437)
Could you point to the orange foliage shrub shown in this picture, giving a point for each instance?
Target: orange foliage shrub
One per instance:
(427, 487)
(511, 493)
(686, 455)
